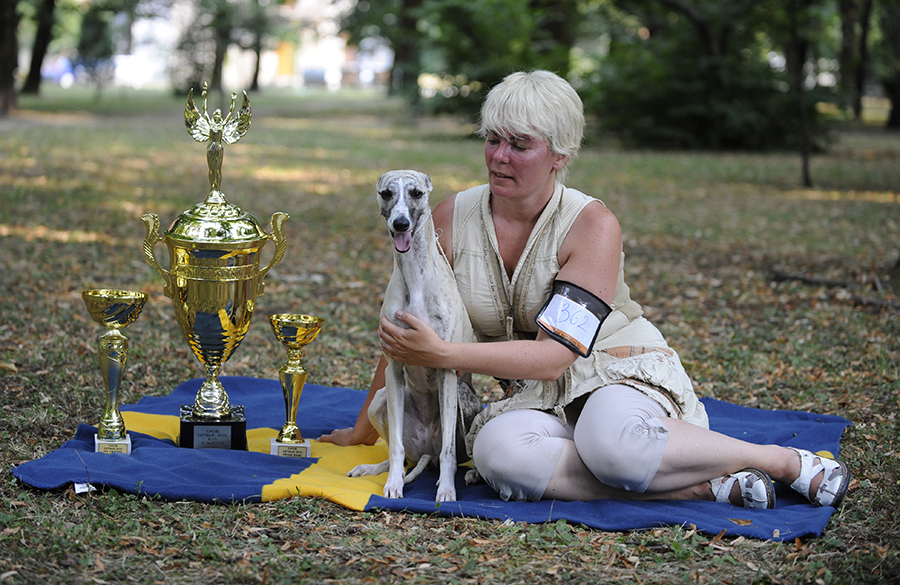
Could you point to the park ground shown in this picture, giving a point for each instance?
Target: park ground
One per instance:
(776, 297)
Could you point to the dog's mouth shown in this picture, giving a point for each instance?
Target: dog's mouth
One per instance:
(402, 241)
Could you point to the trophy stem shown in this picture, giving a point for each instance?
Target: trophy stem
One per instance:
(293, 378)
(112, 354)
(211, 400)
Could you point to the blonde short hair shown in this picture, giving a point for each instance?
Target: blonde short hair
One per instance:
(538, 104)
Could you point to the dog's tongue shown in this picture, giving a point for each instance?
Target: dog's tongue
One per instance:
(402, 241)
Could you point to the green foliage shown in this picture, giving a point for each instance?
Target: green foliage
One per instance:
(95, 44)
(67, 24)
(671, 99)
(464, 32)
(670, 83)
(466, 47)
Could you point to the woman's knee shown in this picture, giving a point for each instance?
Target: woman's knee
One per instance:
(621, 437)
(516, 452)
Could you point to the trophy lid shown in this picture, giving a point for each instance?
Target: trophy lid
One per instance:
(215, 221)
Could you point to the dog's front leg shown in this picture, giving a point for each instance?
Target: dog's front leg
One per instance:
(396, 398)
(447, 388)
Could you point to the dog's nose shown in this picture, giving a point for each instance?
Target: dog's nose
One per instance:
(401, 224)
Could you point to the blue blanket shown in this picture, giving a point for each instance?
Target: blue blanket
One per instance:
(157, 467)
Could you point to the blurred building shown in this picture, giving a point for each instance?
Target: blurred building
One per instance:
(315, 54)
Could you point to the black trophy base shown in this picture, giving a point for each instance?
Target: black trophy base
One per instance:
(229, 432)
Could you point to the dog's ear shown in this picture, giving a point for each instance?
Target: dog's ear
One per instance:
(427, 182)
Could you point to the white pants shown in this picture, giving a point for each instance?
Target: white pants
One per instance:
(620, 436)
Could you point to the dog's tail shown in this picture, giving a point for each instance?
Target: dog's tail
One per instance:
(424, 460)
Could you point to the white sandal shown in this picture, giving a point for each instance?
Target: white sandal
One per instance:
(834, 483)
(757, 489)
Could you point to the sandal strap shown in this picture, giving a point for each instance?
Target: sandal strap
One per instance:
(756, 488)
(808, 470)
(834, 484)
(721, 488)
(835, 479)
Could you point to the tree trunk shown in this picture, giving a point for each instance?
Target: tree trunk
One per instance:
(558, 19)
(892, 89)
(796, 53)
(862, 61)
(849, 13)
(9, 55)
(221, 44)
(257, 48)
(42, 38)
(405, 73)
(222, 26)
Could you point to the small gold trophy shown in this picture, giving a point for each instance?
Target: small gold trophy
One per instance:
(214, 278)
(114, 309)
(294, 332)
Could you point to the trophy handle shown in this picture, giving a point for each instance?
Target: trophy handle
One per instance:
(278, 219)
(151, 220)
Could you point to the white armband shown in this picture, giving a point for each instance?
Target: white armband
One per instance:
(572, 316)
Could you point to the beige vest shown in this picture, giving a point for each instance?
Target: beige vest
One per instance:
(628, 350)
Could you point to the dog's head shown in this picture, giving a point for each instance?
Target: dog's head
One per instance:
(403, 199)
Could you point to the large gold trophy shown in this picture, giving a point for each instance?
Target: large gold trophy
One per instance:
(214, 278)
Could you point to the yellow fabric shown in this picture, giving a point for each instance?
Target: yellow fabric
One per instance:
(161, 426)
(326, 478)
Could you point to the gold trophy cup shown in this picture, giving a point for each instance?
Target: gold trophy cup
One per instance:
(214, 278)
(114, 309)
(294, 332)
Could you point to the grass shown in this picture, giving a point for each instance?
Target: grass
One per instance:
(704, 234)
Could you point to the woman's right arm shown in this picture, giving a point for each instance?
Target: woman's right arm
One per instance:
(362, 433)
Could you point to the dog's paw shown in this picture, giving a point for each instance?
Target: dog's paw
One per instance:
(368, 469)
(473, 477)
(446, 494)
(393, 488)
(358, 471)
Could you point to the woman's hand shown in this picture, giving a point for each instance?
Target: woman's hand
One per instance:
(347, 437)
(417, 346)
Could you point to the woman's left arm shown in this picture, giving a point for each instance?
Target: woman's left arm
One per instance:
(589, 257)
(591, 253)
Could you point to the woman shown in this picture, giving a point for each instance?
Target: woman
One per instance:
(597, 403)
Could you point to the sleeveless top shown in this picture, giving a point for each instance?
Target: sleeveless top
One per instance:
(628, 350)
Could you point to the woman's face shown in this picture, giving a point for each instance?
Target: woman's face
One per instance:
(520, 166)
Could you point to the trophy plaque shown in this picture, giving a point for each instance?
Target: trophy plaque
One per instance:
(294, 332)
(114, 309)
(214, 278)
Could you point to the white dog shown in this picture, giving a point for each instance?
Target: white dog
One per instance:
(421, 410)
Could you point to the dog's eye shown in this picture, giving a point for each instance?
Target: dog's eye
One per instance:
(416, 193)
(386, 194)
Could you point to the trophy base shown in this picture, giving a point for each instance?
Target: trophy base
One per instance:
(229, 432)
(299, 450)
(122, 446)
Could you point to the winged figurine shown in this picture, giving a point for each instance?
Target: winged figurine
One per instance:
(216, 130)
